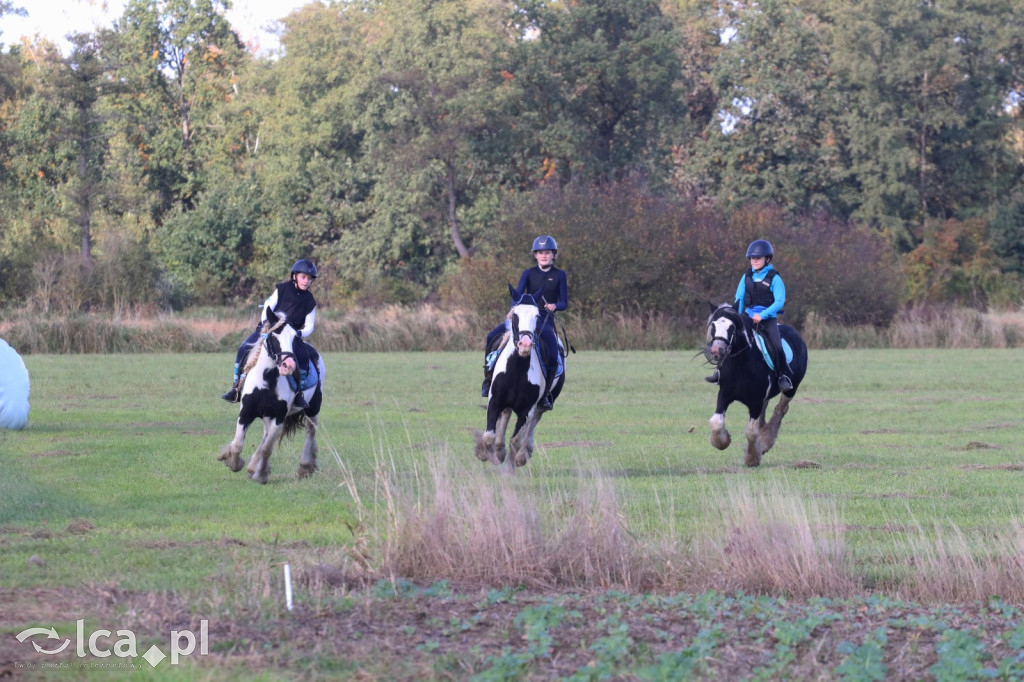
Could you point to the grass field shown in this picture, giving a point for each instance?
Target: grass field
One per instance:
(896, 459)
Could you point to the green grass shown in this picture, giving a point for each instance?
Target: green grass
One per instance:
(126, 448)
(128, 445)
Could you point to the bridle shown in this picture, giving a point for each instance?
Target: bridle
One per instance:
(517, 334)
(273, 346)
(728, 340)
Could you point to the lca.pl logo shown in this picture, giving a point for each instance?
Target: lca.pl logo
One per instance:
(124, 648)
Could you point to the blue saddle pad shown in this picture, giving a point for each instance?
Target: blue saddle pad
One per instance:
(312, 377)
(763, 347)
(492, 358)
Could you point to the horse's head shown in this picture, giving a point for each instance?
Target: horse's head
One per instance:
(279, 340)
(524, 316)
(724, 328)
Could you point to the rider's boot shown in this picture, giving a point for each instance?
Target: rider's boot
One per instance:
(300, 397)
(713, 379)
(786, 384)
(546, 403)
(485, 388)
(234, 393)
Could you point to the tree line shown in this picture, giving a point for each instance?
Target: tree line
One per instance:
(413, 148)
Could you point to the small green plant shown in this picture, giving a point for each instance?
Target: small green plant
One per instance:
(864, 663)
(961, 657)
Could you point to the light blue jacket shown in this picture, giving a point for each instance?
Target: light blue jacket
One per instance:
(778, 291)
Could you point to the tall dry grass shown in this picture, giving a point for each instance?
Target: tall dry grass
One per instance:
(432, 328)
(473, 525)
(771, 541)
(948, 565)
(931, 327)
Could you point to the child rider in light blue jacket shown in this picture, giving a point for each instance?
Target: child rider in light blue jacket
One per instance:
(762, 295)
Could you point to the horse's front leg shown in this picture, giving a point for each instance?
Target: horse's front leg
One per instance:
(231, 454)
(522, 441)
(486, 442)
(307, 463)
(259, 465)
(501, 429)
(720, 437)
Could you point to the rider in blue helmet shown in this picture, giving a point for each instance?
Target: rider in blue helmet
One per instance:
(762, 295)
(294, 300)
(549, 286)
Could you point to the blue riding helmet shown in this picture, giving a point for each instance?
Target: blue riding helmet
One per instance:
(304, 266)
(760, 248)
(545, 243)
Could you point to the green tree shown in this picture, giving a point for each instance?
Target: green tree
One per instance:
(308, 150)
(597, 82)
(75, 84)
(431, 91)
(924, 87)
(175, 61)
(774, 136)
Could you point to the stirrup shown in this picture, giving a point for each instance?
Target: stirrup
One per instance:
(232, 395)
(713, 379)
(545, 403)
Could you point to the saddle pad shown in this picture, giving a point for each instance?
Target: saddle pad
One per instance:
(762, 346)
(312, 377)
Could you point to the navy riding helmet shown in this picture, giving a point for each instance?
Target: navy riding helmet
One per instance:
(545, 243)
(760, 248)
(304, 266)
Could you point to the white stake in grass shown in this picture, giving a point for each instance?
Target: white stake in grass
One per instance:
(288, 586)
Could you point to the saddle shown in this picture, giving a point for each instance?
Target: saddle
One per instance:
(310, 376)
(494, 350)
(764, 345)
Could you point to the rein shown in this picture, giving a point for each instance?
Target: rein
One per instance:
(254, 356)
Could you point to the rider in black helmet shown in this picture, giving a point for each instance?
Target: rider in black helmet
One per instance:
(762, 295)
(295, 301)
(550, 287)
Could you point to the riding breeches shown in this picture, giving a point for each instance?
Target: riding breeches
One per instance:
(770, 327)
(549, 349)
(250, 341)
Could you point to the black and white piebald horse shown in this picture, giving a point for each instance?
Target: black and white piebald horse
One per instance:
(269, 394)
(517, 386)
(733, 346)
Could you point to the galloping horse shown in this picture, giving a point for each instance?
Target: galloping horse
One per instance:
(746, 377)
(268, 394)
(517, 386)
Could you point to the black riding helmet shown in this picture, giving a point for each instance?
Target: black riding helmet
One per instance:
(545, 243)
(304, 266)
(760, 248)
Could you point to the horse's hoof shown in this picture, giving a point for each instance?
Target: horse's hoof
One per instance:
(522, 457)
(720, 442)
(259, 478)
(307, 470)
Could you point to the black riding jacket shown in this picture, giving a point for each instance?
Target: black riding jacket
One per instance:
(298, 306)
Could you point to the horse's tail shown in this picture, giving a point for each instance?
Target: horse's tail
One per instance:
(292, 423)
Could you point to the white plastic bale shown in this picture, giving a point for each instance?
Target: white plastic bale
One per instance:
(14, 389)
